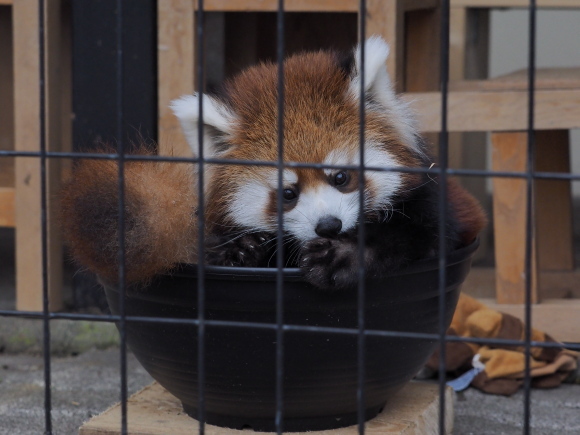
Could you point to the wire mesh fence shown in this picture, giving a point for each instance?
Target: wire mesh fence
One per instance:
(362, 332)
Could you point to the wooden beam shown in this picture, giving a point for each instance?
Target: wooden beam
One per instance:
(29, 274)
(386, 18)
(305, 5)
(6, 85)
(556, 4)
(497, 110)
(557, 314)
(557, 317)
(175, 56)
(7, 207)
(418, 5)
(480, 283)
(509, 217)
(289, 6)
(545, 79)
(413, 410)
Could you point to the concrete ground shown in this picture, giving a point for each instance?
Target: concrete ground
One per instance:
(88, 384)
(82, 386)
(85, 379)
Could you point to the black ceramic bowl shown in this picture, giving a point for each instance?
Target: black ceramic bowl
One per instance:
(320, 368)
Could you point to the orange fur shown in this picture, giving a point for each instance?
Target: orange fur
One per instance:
(160, 221)
(318, 117)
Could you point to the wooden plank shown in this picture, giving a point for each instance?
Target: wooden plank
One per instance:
(29, 279)
(559, 311)
(557, 317)
(480, 283)
(546, 79)
(514, 3)
(289, 5)
(6, 82)
(553, 202)
(7, 207)
(559, 284)
(418, 5)
(7, 112)
(175, 23)
(413, 411)
(304, 5)
(497, 110)
(386, 18)
(422, 53)
(509, 214)
(6, 172)
(353, 5)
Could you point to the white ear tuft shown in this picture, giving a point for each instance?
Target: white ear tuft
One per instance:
(378, 86)
(376, 54)
(218, 122)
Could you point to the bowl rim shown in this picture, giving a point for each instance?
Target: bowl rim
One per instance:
(296, 274)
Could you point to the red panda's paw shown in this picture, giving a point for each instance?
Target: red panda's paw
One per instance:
(330, 264)
(248, 250)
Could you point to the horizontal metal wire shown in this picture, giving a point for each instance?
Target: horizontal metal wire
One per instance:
(540, 175)
(287, 327)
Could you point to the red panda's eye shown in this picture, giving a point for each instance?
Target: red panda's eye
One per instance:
(289, 194)
(341, 178)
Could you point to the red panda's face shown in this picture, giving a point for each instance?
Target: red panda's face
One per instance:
(321, 126)
(316, 202)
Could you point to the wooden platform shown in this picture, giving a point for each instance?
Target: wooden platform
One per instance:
(153, 411)
(560, 301)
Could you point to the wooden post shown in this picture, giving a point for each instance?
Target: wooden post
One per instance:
(6, 118)
(386, 18)
(509, 212)
(468, 59)
(553, 203)
(29, 280)
(175, 26)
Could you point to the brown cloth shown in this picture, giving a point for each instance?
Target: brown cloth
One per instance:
(504, 365)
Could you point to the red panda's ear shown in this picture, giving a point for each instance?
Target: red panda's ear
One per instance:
(379, 89)
(218, 122)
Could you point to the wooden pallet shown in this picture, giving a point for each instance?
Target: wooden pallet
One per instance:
(154, 411)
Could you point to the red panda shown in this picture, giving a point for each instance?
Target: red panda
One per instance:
(321, 206)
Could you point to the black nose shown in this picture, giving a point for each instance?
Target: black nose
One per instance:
(328, 226)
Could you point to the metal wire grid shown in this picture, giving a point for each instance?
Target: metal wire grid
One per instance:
(280, 327)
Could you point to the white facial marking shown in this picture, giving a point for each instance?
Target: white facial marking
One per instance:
(316, 203)
(338, 157)
(248, 205)
(383, 184)
(289, 178)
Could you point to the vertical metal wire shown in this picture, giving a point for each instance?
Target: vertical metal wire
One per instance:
(43, 219)
(361, 338)
(529, 213)
(201, 331)
(121, 212)
(443, 158)
(280, 231)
